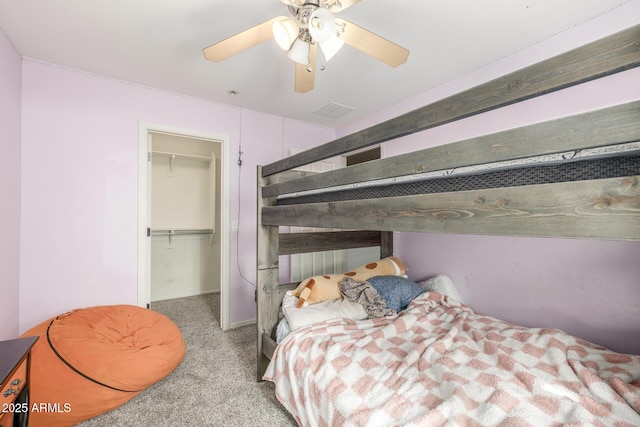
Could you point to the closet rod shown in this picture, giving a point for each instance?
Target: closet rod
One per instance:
(171, 232)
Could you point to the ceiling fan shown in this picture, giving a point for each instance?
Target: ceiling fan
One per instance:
(313, 24)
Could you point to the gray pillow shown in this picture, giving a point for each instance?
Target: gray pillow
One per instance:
(397, 291)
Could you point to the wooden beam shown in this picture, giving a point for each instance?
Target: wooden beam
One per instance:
(386, 246)
(607, 126)
(286, 176)
(298, 243)
(268, 345)
(601, 209)
(267, 279)
(612, 54)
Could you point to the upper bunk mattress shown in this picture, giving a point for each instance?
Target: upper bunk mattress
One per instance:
(619, 160)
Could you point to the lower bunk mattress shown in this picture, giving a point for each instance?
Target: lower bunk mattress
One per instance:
(438, 362)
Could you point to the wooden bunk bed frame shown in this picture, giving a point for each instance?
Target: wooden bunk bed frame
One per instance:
(606, 208)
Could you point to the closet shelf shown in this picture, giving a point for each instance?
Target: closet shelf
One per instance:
(182, 156)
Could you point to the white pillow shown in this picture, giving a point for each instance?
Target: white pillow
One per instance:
(282, 330)
(319, 312)
(443, 284)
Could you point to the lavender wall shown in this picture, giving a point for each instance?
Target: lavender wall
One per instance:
(589, 288)
(265, 139)
(10, 83)
(78, 170)
(79, 185)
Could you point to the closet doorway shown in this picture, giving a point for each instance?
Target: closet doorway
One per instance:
(183, 221)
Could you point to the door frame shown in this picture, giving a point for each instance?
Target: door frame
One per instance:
(144, 250)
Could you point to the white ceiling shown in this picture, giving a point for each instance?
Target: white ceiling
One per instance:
(158, 43)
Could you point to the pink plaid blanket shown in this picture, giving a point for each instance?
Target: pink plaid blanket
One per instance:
(438, 362)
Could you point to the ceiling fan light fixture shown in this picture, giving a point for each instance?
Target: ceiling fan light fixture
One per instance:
(322, 24)
(299, 52)
(331, 47)
(285, 32)
(312, 24)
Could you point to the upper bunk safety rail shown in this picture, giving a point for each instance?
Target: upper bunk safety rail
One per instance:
(610, 55)
(606, 127)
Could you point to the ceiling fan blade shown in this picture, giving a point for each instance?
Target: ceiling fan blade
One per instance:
(305, 79)
(372, 44)
(235, 44)
(340, 5)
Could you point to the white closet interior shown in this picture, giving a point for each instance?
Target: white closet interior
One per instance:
(184, 217)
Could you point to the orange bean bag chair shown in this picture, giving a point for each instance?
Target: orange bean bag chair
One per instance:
(92, 360)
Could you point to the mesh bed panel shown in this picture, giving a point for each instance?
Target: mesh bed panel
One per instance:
(609, 167)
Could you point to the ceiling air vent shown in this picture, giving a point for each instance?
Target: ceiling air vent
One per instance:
(333, 110)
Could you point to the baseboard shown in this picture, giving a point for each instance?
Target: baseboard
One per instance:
(241, 324)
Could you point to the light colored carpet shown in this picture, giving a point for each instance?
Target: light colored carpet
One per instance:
(214, 386)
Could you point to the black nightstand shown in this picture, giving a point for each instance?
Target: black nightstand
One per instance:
(15, 364)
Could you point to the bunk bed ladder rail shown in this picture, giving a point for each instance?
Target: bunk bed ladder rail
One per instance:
(271, 244)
